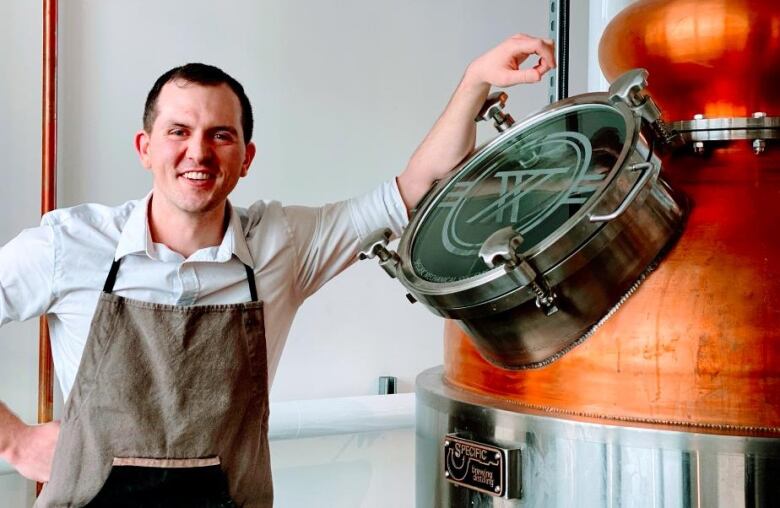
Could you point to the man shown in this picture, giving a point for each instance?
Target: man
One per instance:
(190, 299)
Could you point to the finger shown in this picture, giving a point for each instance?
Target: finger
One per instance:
(520, 37)
(531, 75)
(536, 46)
(550, 49)
(547, 53)
(542, 67)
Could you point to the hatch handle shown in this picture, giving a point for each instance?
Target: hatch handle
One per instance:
(501, 248)
(493, 108)
(375, 245)
(648, 169)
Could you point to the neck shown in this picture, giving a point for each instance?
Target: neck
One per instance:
(183, 232)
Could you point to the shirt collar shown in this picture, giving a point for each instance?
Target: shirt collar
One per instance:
(234, 241)
(136, 238)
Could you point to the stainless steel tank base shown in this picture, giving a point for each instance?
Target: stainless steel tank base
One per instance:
(567, 463)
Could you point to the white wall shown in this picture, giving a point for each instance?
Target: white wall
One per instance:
(343, 92)
(20, 146)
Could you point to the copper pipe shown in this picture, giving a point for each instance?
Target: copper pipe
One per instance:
(48, 190)
(48, 196)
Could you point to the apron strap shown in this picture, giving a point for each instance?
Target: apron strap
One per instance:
(250, 278)
(108, 287)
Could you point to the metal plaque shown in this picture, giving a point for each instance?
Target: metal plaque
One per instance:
(482, 467)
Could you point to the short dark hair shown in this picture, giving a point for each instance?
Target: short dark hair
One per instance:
(200, 74)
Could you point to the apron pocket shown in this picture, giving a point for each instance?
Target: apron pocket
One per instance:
(164, 483)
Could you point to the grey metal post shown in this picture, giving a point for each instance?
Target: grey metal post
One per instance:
(559, 32)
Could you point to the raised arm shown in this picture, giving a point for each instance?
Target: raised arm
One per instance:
(453, 135)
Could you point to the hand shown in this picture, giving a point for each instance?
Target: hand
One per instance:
(34, 451)
(452, 136)
(501, 65)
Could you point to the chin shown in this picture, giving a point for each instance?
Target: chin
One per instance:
(203, 210)
(195, 203)
(198, 207)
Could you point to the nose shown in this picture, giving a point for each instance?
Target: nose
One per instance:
(199, 148)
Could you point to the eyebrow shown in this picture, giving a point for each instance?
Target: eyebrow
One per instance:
(178, 124)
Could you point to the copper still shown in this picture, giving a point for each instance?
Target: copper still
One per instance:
(697, 347)
(673, 398)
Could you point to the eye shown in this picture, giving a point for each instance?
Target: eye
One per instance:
(177, 132)
(223, 136)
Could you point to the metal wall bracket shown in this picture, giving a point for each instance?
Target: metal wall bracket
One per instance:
(388, 385)
(559, 32)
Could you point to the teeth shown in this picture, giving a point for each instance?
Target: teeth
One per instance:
(196, 175)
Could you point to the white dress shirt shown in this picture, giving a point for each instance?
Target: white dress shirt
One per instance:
(59, 268)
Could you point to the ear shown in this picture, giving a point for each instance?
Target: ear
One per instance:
(249, 154)
(141, 142)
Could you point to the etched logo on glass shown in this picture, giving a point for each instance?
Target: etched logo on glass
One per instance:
(553, 171)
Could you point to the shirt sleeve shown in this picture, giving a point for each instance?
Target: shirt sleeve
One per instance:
(26, 275)
(327, 238)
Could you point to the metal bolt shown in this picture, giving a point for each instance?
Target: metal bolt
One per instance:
(446, 474)
(759, 114)
(498, 455)
(698, 116)
(759, 145)
(447, 442)
(503, 121)
(497, 489)
(698, 147)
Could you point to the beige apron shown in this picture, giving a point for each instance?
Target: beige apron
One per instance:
(171, 402)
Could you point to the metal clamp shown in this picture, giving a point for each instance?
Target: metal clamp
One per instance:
(501, 248)
(375, 245)
(629, 88)
(493, 110)
(648, 168)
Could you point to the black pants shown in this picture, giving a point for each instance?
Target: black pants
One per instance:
(151, 487)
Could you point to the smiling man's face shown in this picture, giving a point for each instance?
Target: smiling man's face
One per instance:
(195, 150)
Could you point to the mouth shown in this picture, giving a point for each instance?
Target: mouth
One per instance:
(198, 179)
(196, 175)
